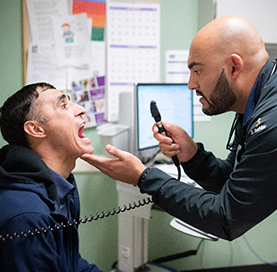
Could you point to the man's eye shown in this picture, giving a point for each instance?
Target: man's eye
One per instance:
(197, 72)
(64, 106)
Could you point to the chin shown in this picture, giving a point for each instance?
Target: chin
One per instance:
(88, 150)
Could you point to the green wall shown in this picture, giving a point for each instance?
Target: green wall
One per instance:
(98, 239)
(11, 45)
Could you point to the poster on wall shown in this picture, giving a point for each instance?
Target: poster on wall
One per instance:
(95, 9)
(72, 40)
(40, 15)
(133, 49)
(68, 49)
(42, 66)
(90, 94)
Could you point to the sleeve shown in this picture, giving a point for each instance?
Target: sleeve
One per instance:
(246, 198)
(28, 252)
(208, 171)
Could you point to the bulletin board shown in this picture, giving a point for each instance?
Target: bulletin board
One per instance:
(58, 49)
(98, 33)
(114, 50)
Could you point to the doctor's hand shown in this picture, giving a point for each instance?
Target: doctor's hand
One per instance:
(175, 142)
(124, 167)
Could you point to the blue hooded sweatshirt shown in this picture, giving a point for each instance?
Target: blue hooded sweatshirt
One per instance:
(31, 222)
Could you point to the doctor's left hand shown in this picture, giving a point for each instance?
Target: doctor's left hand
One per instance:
(124, 167)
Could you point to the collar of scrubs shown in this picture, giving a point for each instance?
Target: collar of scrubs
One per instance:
(250, 104)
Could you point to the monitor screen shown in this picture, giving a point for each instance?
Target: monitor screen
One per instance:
(175, 103)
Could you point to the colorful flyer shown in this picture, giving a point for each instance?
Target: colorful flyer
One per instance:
(90, 94)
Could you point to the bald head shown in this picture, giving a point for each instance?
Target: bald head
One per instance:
(231, 35)
(228, 44)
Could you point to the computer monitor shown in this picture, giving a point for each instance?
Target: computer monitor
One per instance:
(175, 103)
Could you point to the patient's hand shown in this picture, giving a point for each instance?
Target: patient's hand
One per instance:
(124, 167)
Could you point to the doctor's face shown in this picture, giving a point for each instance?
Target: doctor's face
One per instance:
(209, 80)
(62, 123)
(221, 98)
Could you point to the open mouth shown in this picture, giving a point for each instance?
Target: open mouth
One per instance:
(85, 140)
(81, 132)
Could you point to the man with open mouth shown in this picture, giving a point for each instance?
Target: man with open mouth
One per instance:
(39, 199)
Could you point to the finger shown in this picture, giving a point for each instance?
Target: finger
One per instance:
(102, 164)
(94, 160)
(115, 152)
(165, 124)
(170, 153)
(171, 149)
(163, 139)
(155, 128)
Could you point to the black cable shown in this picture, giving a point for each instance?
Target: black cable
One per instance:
(178, 255)
(177, 164)
(175, 256)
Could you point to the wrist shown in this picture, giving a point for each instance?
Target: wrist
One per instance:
(140, 173)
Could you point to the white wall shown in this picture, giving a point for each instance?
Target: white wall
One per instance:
(260, 13)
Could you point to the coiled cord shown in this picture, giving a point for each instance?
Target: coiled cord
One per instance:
(86, 219)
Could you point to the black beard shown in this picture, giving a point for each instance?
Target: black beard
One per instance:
(222, 97)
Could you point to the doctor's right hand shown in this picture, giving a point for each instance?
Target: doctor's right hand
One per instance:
(123, 167)
(175, 142)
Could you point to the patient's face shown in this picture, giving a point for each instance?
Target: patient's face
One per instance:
(63, 123)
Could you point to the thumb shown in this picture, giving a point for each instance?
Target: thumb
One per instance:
(168, 128)
(115, 152)
(172, 128)
(165, 125)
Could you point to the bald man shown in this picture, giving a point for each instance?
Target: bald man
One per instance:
(230, 71)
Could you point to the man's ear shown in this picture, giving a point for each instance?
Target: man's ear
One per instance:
(237, 65)
(34, 129)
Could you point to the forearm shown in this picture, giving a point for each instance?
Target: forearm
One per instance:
(238, 207)
(208, 171)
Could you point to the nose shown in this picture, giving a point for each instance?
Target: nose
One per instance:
(79, 110)
(193, 83)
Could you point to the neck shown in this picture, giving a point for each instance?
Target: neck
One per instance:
(63, 168)
(58, 162)
(241, 105)
(243, 92)
(249, 77)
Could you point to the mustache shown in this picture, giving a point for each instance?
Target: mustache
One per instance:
(199, 93)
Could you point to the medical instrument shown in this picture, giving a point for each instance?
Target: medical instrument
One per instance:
(157, 117)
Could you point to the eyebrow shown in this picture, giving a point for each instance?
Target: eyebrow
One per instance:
(62, 97)
(190, 66)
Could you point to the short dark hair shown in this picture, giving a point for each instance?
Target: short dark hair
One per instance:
(14, 111)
